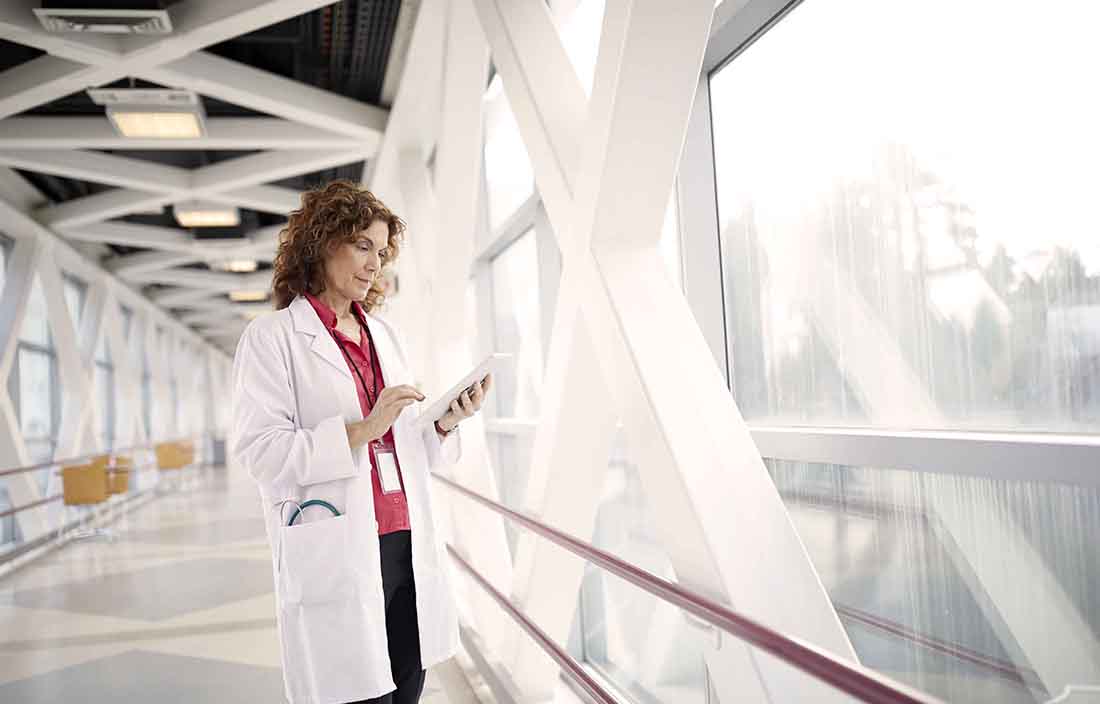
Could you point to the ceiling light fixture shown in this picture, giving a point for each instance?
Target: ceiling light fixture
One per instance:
(194, 213)
(105, 16)
(237, 266)
(248, 296)
(152, 113)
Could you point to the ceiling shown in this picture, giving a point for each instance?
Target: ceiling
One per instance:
(295, 92)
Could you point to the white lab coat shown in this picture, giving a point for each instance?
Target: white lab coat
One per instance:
(292, 395)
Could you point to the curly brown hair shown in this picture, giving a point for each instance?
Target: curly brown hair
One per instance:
(331, 214)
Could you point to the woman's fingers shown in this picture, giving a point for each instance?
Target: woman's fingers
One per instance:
(401, 392)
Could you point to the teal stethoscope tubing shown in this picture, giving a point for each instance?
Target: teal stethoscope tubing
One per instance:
(311, 502)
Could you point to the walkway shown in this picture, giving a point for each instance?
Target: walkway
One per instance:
(179, 609)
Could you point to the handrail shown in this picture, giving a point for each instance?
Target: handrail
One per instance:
(851, 678)
(81, 458)
(566, 662)
(34, 504)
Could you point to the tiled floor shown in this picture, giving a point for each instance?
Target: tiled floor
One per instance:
(178, 609)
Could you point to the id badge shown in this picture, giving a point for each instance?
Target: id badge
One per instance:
(385, 460)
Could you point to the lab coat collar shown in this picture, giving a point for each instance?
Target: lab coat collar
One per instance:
(307, 322)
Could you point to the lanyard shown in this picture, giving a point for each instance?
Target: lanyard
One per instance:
(351, 363)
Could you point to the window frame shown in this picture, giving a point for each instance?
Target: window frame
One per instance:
(1001, 454)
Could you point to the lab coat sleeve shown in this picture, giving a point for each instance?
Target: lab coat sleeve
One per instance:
(443, 451)
(267, 440)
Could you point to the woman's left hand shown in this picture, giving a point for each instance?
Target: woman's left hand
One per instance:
(467, 404)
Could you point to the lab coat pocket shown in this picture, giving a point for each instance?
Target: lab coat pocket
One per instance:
(317, 562)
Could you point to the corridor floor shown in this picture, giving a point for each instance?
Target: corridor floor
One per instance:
(179, 608)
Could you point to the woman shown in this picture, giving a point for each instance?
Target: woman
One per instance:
(321, 404)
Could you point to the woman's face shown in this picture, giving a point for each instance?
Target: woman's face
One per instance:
(351, 267)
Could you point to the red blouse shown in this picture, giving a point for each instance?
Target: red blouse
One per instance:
(391, 510)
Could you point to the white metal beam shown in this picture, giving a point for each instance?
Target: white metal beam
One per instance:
(101, 206)
(135, 266)
(200, 24)
(80, 132)
(265, 92)
(235, 181)
(266, 199)
(109, 169)
(131, 235)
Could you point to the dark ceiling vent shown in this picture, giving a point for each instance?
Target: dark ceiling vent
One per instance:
(105, 16)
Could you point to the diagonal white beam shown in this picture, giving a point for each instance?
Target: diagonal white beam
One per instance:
(235, 181)
(266, 167)
(266, 199)
(705, 551)
(132, 266)
(188, 291)
(200, 24)
(43, 80)
(227, 312)
(110, 169)
(553, 143)
(79, 132)
(206, 280)
(146, 236)
(101, 206)
(184, 297)
(265, 92)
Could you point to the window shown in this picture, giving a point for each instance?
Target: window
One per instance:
(146, 387)
(33, 384)
(907, 242)
(913, 207)
(105, 392)
(579, 29)
(127, 315)
(509, 177)
(643, 644)
(75, 294)
(517, 325)
(5, 244)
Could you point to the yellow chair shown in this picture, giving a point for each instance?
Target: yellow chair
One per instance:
(170, 455)
(118, 478)
(83, 485)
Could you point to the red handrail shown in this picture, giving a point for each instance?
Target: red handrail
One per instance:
(566, 662)
(851, 678)
(34, 504)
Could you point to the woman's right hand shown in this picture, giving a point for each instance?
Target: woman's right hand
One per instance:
(387, 407)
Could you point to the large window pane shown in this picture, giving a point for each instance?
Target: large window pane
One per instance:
(4, 245)
(579, 28)
(508, 175)
(36, 412)
(75, 294)
(952, 584)
(905, 194)
(105, 392)
(517, 326)
(36, 320)
(642, 643)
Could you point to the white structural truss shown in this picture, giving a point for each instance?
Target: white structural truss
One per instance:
(310, 130)
(629, 353)
(604, 168)
(597, 165)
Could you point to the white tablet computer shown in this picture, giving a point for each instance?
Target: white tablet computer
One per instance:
(493, 364)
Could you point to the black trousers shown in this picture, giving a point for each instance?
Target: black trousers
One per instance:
(402, 629)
